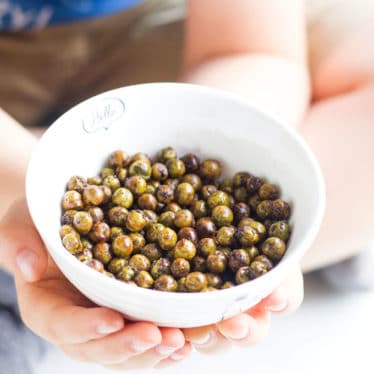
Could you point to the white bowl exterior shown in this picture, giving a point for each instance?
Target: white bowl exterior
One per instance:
(192, 119)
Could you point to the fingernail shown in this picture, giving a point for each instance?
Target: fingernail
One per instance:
(141, 346)
(203, 340)
(105, 329)
(278, 308)
(164, 350)
(177, 357)
(238, 335)
(26, 262)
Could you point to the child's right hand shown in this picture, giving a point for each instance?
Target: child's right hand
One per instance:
(55, 310)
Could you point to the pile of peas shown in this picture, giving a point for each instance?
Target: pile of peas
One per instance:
(171, 224)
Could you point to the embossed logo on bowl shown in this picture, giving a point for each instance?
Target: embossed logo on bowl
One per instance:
(103, 114)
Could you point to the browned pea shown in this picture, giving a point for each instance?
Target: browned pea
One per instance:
(245, 222)
(77, 183)
(166, 154)
(265, 209)
(150, 216)
(184, 218)
(115, 231)
(227, 185)
(207, 246)
(182, 285)
(96, 213)
(142, 168)
(153, 231)
(167, 239)
(210, 169)
(265, 260)
(240, 179)
(107, 193)
(167, 219)
(140, 262)
(72, 200)
(127, 273)
(238, 258)
(268, 192)
(194, 180)
(280, 210)
(253, 202)
(243, 275)
(173, 207)
(160, 267)
(117, 216)
(68, 217)
(253, 184)
(199, 209)
(207, 190)
(117, 264)
(217, 262)
(253, 252)
(184, 194)
(176, 168)
(67, 229)
(101, 252)
(86, 244)
(165, 193)
(259, 227)
(85, 255)
(172, 182)
(140, 156)
(83, 222)
(151, 189)
(112, 182)
(209, 289)
(118, 159)
(135, 221)
(122, 246)
(222, 215)
(224, 250)
(95, 265)
(199, 264)
(138, 241)
(147, 201)
(280, 229)
(273, 248)
(180, 267)
(93, 195)
(72, 243)
(160, 171)
(122, 174)
(106, 171)
(214, 280)
(195, 282)
(160, 208)
(267, 224)
(123, 197)
(151, 251)
(247, 236)
(136, 184)
(184, 249)
(227, 284)
(241, 194)
(225, 236)
(192, 162)
(188, 233)
(95, 180)
(100, 232)
(218, 198)
(241, 210)
(144, 279)
(205, 227)
(258, 268)
(166, 283)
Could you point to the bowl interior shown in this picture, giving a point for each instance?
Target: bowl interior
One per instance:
(192, 119)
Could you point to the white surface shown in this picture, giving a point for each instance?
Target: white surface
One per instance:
(331, 333)
(190, 118)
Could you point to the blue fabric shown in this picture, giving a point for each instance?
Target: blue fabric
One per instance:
(25, 14)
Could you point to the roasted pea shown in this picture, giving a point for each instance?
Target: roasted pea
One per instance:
(199, 209)
(173, 207)
(118, 159)
(274, 248)
(67, 229)
(107, 193)
(227, 186)
(150, 216)
(106, 171)
(96, 213)
(180, 267)
(127, 273)
(253, 184)
(117, 264)
(144, 279)
(224, 250)
(188, 233)
(176, 168)
(241, 210)
(135, 221)
(225, 236)
(117, 216)
(83, 222)
(153, 231)
(142, 168)
(166, 154)
(253, 252)
(160, 267)
(192, 162)
(72, 243)
(136, 184)
(258, 268)
(77, 183)
(222, 215)
(100, 232)
(184, 194)
(101, 252)
(195, 281)
(199, 264)
(264, 209)
(72, 200)
(207, 246)
(265, 260)
(140, 262)
(247, 236)
(254, 201)
(85, 255)
(95, 180)
(184, 249)
(160, 208)
(182, 285)
(280, 229)
(205, 227)
(210, 169)
(183, 218)
(217, 262)
(68, 217)
(147, 201)
(241, 194)
(115, 231)
(122, 174)
(96, 265)
(151, 251)
(240, 179)
(112, 182)
(259, 227)
(165, 193)
(214, 280)
(218, 198)
(243, 275)
(166, 283)
(86, 244)
(245, 222)
(238, 258)
(227, 284)
(167, 219)
(167, 238)
(207, 190)
(122, 246)
(172, 182)
(268, 192)
(140, 156)
(159, 171)
(194, 180)
(280, 210)
(123, 197)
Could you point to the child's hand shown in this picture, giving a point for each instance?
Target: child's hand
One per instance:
(250, 327)
(55, 310)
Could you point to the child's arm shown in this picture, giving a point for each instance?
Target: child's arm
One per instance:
(253, 48)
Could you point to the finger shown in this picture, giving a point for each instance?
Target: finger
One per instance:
(21, 247)
(288, 296)
(176, 357)
(172, 341)
(134, 339)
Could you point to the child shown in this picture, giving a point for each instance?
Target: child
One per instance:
(255, 49)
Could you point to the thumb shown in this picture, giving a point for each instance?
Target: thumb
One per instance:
(21, 249)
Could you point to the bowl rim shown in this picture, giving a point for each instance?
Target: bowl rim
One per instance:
(279, 270)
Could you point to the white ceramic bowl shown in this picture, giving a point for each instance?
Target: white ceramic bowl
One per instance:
(190, 118)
